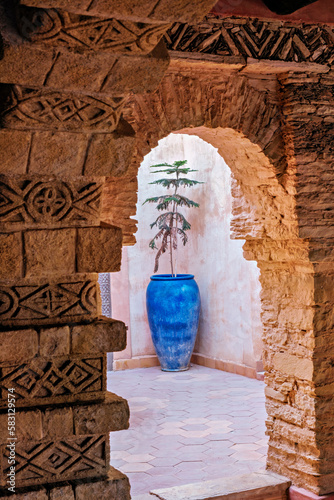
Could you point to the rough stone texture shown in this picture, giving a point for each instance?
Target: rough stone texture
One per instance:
(115, 487)
(11, 264)
(31, 201)
(112, 415)
(54, 341)
(110, 154)
(99, 248)
(163, 11)
(14, 151)
(108, 415)
(104, 335)
(49, 252)
(55, 300)
(93, 72)
(18, 346)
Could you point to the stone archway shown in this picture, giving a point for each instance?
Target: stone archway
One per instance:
(240, 114)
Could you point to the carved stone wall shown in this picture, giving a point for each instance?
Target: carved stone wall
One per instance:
(79, 102)
(65, 75)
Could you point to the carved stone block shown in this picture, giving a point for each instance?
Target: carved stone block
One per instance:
(115, 486)
(84, 33)
(45, 201)
(54, 341)
(99, 249)
(103, 335)
(150, 11)
(57, 153)
(11, 256)
(49, 252)
(138, 74)
(14, 151)
(40, 462)
(53, 423)
(110, 415)
(54, 380)
(91, 72)
(17, 346)
(254, 39)
(110, 154)
(43, 109)
(49, 301)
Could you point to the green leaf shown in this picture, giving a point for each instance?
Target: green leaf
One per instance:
(182, 181)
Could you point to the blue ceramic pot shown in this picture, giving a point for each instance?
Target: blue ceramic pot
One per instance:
(173, 306)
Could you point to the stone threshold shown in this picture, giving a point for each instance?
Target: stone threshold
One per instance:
(197, 359)
(255, 486)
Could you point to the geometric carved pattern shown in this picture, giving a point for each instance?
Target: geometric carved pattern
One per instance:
(48, 303)
(53, 461)
(51, 379)
(31, 202)
(247, 37)
(43, 109)
(104, 282)
(50, 26)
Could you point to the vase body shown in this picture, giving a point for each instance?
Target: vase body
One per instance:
(173, 307)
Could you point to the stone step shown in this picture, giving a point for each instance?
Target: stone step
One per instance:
(254, 486)
(146, 496)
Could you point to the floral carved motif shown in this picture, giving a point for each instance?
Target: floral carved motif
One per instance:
(31, 202)
(254, 38)
(54, 27)
(33, 108)
(53, 461)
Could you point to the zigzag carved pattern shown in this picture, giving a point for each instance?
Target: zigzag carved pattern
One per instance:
(54, 378)
(53, 461)
(272, 40)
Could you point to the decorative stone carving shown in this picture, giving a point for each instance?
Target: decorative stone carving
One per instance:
(60, 300)
(31, 201)
(104, 282)
(53, 380)
(61, 28)
(39, 462)
(43, 109)
(254, 38)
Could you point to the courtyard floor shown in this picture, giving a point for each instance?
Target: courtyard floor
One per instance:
(187, 427)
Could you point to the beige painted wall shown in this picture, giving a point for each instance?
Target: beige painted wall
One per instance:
(230, 326)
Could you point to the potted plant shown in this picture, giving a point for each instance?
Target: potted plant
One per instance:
(172, 300)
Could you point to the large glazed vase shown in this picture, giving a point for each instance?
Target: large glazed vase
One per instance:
(173, 307)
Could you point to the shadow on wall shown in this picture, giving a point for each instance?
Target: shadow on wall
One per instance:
(230, 325)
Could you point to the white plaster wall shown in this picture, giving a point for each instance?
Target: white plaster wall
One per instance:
(230, 325)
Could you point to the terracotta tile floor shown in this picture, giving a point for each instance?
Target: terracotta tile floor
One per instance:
(188, 426)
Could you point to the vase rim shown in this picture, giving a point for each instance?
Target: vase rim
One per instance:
(169, 277)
